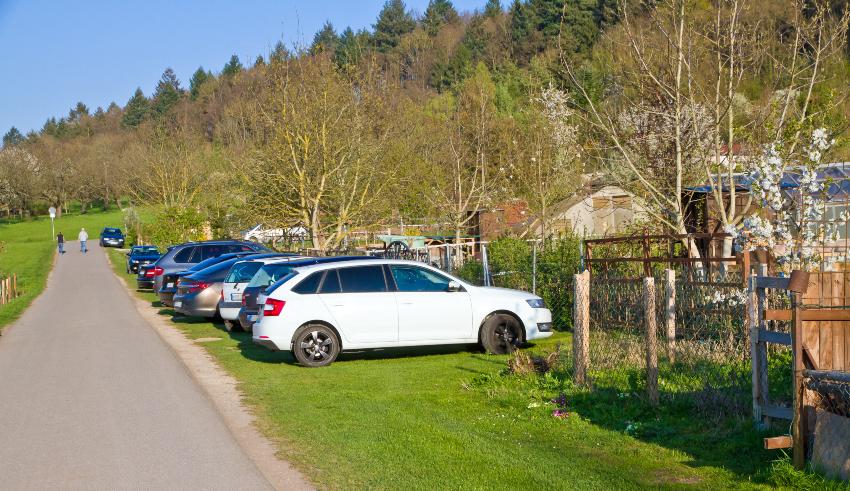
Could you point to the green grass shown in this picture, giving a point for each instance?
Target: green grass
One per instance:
(29, 248)
(452, 418)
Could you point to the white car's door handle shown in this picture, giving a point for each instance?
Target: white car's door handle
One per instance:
(407, 303)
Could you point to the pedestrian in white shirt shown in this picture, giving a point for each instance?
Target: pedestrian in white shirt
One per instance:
(83, 237)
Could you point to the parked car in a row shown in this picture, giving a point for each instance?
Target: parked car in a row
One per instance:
(169, 281)
(318, 307)
(268, 277)
(183, 256)
(319, 310)
(141, 255)
(200, 293)
(180, 258)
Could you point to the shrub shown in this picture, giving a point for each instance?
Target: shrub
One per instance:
(472, 272)
(175, 225)
(558, 258)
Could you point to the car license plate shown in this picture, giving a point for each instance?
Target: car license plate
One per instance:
(235, 297)
(178, 304)
(170, 285)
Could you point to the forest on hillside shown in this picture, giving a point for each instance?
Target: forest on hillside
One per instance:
(424, 119)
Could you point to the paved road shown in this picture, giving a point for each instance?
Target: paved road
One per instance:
(91, 398)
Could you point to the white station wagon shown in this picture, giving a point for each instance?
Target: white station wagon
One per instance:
(320, 310)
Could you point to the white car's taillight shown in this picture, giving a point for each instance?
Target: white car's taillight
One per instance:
(273, 307)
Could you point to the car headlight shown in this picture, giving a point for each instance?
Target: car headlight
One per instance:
(536, 303)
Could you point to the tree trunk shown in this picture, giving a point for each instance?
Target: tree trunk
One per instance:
(314, 230)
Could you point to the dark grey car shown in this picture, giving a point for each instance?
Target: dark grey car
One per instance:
(184, 256)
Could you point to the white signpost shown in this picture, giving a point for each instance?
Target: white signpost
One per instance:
(52, 212)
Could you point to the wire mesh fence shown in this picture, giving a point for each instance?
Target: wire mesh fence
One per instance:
(700, 310)
(828, 391)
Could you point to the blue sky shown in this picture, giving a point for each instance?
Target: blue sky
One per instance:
(58, 52)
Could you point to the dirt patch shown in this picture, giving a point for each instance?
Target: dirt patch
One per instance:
(221, 388)
(206, 340)
(666, 476)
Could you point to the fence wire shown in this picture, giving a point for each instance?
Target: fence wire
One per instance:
(829, 391)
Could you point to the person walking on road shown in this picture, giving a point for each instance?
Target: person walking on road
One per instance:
(60, 239)
(83, 237)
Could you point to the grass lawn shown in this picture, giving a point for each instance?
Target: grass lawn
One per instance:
(29, 248)
(452, 418)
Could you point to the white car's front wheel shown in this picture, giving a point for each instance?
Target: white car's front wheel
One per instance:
(501, 334)
(315, 345)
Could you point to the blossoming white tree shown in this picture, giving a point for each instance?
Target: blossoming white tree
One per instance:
(791, 225)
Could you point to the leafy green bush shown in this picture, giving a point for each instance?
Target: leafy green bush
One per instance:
(558, 259)
(175, 225)
(472, 271)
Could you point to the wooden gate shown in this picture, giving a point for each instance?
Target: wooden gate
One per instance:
(819, 330)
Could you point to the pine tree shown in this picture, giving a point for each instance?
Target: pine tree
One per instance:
(493, 8)
(438, 14)
(198, 79)
(167, 94)
(535, 24)
(77, 112)
(12, 137)
(393, 22)
(232, 67)
(98, 113)
(50, 127)
(325, 41)
(279, 54)
(259, 61)
(113, 108)
(350, 47)
(136, 109)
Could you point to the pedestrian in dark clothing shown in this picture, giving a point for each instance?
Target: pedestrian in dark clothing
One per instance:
(60, 239)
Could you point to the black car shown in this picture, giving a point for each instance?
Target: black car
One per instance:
(140, 255)
(268, 278)
(111, 237)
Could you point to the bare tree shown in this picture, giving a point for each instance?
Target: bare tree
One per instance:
(462, 170)
(318, 154)
(673, 120)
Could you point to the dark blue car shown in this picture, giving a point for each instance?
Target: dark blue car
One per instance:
(112, 237)
(141, 255)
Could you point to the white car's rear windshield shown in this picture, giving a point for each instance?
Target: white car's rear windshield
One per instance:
(269, 274)
(243, 272)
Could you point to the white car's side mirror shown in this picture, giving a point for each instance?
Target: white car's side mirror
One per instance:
(454, 286)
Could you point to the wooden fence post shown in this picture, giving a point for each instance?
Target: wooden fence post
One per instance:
(15, 284)
(670, 313)
(798, 426)
(651, 340)
(753, 322)
(581, 327)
